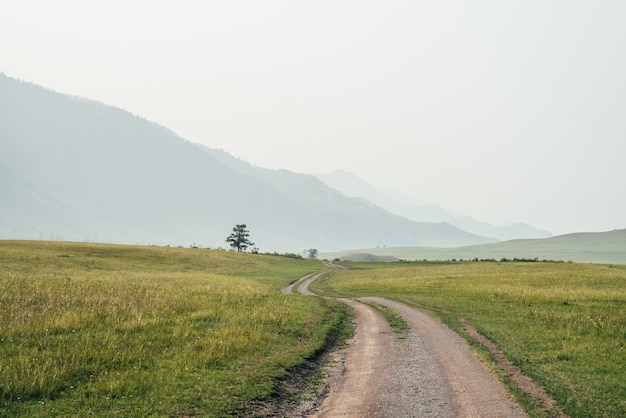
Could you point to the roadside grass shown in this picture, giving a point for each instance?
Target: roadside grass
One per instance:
(563, 324)
(397, 324)
(311, 378)
(149, 331)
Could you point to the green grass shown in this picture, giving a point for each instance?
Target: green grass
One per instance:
(563, 324)
(146, 331)
(397, 324)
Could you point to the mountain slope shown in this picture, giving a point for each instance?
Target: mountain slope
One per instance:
(352, 217)
(353, 186)
(76, 169)
(103, 162)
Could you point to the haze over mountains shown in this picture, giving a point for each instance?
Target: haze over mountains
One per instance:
(76, 169)
(352, 186)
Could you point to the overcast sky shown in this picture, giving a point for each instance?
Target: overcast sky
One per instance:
(507, 111)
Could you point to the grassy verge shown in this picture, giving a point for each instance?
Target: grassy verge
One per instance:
(297, 392)
(146, 331)
(561, 323)
(397, 324)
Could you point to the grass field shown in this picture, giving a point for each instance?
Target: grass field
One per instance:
(146, 331)
(563, 324)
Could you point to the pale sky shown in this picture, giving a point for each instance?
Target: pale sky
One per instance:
(507, 111)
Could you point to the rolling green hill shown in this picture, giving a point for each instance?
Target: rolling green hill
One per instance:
(592, 247)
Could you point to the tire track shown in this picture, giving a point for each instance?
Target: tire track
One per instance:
(311, 276)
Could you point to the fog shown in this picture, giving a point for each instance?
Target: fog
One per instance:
(505, 111)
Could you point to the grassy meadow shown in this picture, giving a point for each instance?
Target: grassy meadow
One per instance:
(149, 331)
(563, 324)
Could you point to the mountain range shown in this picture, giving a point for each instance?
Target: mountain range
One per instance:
(76, 169)
(352, 186)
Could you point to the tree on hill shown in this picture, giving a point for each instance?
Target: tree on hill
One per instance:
(312, 252)
(238, 239)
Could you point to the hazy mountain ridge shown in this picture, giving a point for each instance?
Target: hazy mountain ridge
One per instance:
(310, 191)
(351, 185)
(76, 169)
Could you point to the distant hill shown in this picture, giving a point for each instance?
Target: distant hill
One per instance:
(360, 257)
(351, 185)
(76, 169)
(596, 247)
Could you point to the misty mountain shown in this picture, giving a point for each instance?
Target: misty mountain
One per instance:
(352, 186)
(314, 194)
(76, 169)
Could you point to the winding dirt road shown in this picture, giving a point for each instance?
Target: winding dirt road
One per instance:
(429, 372)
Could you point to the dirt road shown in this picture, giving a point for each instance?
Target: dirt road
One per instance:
(430, 372)
(303, 284)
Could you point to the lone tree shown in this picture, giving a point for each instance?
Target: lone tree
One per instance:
(238, 240)
(312, 252)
